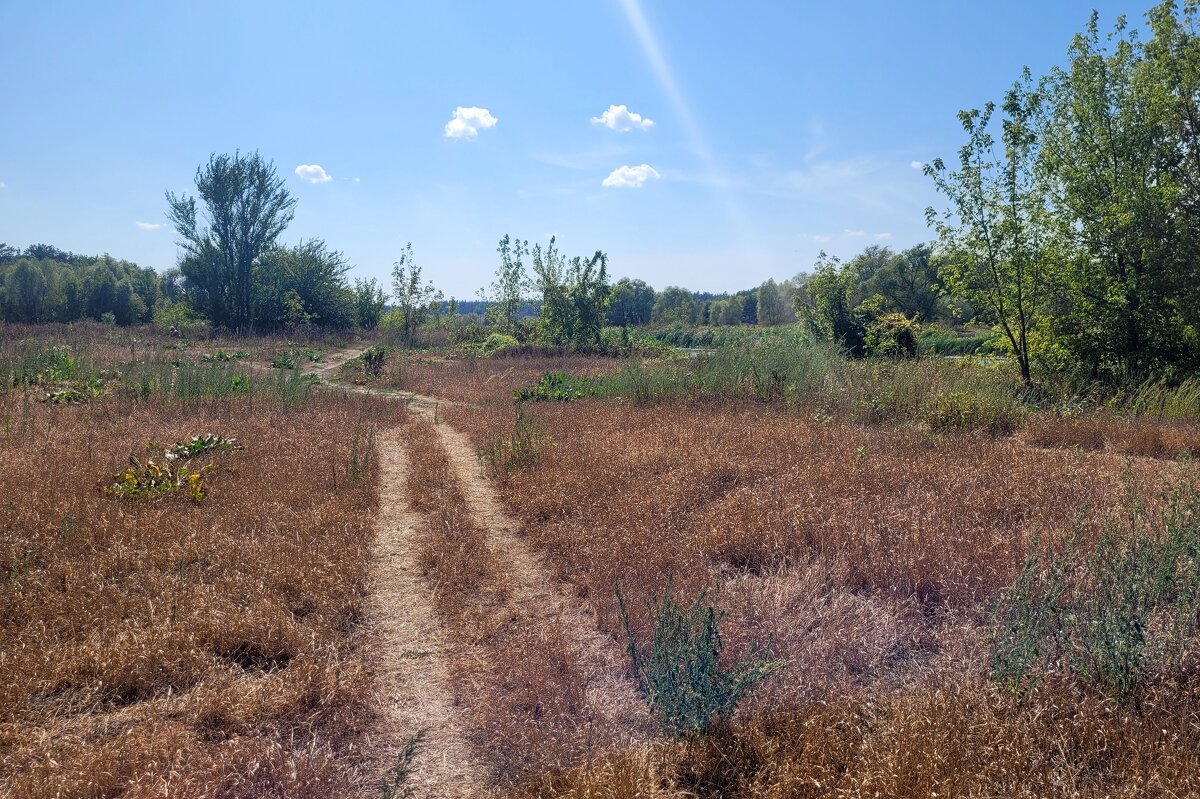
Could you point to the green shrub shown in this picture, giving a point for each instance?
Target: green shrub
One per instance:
(558, 387)
(1113, 614)
(221, 356)
(495, 342)
(505, 452)
(679, 671)
(892, 335)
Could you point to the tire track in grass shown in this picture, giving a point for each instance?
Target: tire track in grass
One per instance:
(413, 685)
(538, 600)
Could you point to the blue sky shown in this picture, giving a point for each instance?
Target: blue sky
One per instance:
(780, 129)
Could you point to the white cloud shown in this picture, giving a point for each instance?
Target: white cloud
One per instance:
(917, 164)
(313, 173)
(357, 180)
(148, 225)
(1, 184)
(853, 233)
(883, 236)
(622, 120)
(630, 176)
(467, 122)
(820, 239)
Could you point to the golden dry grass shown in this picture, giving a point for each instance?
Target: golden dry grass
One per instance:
(167, 648)
(518, 671)
(871, 557)
(172, 648)
(1136, 437)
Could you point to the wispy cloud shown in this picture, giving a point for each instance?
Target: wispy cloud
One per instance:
(590, 160)
(850, 185)
(313, 173)
(468, 121)
(148, 225)
(1, 184)
(917, 164)
(633, 177)
(853, 233)
(622, 120)
(822, 239)
(883, 236)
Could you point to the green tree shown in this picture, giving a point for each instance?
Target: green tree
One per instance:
(511, 283)
(575, 296)
(1120, 150)
(246, 208)
(369, 301)
(749, 308)
(674, 305)
(733, 311)
(303, 285)
(412, 298)
(826, 301)
(772, 307)
(27, 292)
(908, 281)
(632, 303)
(994, 239)
(100, 290)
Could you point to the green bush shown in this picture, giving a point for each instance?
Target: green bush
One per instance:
(558, 387)
(495, 343)
(679, 671)
(1113, 614)
(504, 453)
(892, 335)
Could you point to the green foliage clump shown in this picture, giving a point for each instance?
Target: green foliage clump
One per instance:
(283, 360)
(1112, 615)
(558, 387)
(81, 392)
(892, 335)
(200, 445)
(372, 361)
(221, 356)
(492, 344)
(679, 670)
(43, 367)
(152, 480)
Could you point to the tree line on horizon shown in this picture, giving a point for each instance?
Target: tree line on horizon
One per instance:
(1072, 229)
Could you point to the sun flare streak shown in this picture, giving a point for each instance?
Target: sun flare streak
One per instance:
(665, 76)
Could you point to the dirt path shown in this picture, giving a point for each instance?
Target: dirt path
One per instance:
(413, 686)
(328, 368)
(537, 597)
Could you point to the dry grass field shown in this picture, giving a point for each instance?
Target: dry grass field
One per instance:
(221, 645)
(173, 647)
(872, 558)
